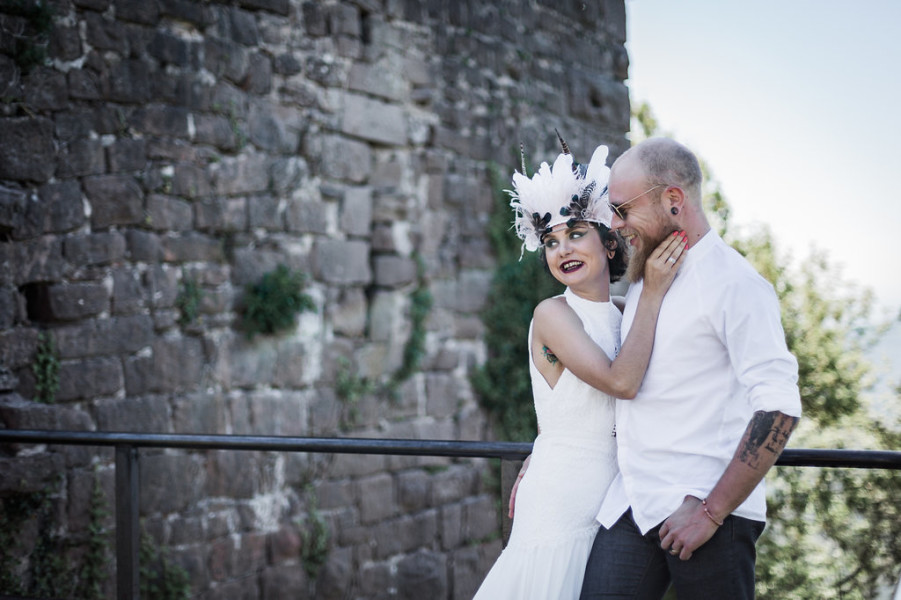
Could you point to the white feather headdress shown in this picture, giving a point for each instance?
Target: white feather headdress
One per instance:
(564, 193)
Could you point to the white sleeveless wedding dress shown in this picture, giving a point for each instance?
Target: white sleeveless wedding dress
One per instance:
(573, 462)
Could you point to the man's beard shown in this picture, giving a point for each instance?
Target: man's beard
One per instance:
(639, 256)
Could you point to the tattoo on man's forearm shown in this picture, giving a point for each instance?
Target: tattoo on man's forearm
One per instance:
(768, 431)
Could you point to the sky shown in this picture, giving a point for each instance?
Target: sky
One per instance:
(794, 105)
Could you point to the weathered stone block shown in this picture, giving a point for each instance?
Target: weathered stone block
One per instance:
(118, 335)
(377, 500)
(288, 174)
(480, 518)
(348, 313)
(94, 248)
(382, 79)
(314, 19)
(13, 207)
(143, 246)
(356, 211)
(64, 208)
(145, 414)
(335, 494)
(82, 157)
(422, 575)
(264, 212)
(342, 158)
(167, 121)
(31, 260)
(374, 121)
(394, 271)
(308, 216)
(137, 11)
(27, 152)
(245, 174)
(201, 412)
(221, 214)
(105, 34)
(220, 474)
(9, 307)
(284, 582)
(83, 85)
(168, 213)
(442, 395)
(215, 130)
(29, 474)
(190, 181)
(128, 81)
(115, 200)
(45, 89)
(190, 247)
(470, 565)
(177, 363)
(186, 531)
(65, 43)
(413, 490)
(343, 262)
(451, 485)
(73, 301)
(170, 482)
(225, 59)
(271, 128)
(128, 292)
(259, 76)
(450, 525)
(17, 413)
(168, 48)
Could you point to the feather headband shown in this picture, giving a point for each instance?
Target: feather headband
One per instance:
(565, 193)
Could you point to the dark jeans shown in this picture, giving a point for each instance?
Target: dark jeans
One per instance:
(625, 564)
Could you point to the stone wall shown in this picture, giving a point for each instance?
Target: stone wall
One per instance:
(164, 142)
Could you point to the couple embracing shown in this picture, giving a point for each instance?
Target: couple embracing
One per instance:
(648, 466)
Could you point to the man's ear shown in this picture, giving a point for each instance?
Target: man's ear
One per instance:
(674, 198)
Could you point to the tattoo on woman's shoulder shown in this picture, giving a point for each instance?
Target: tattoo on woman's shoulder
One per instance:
(550, 356)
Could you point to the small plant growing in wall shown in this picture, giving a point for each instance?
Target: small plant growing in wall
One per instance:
(46, 369)
(45, 575)
(93, 571)
(272, 304)
(350, 388)
(29, 42)
(414, 350)
(314, 535)
(188, 301)
(160, 578)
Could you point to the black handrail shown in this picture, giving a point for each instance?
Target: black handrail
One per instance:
(127, 466)
(791, 457)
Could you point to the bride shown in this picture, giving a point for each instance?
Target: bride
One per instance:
(577, 369)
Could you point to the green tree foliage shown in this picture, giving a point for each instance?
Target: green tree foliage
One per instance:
(831, 533)
(503, 382)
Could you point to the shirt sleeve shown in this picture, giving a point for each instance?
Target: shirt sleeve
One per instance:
(755, 340)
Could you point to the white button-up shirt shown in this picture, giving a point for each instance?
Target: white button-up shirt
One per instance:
(719, 356)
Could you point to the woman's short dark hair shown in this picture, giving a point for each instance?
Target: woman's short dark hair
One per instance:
(612, 240)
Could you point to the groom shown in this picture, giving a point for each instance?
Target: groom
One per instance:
(716, 408)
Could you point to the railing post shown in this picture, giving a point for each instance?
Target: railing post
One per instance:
(127, 527)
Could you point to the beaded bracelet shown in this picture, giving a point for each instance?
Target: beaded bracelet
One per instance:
(709, 516)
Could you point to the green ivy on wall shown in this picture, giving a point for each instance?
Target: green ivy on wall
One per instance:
(503, 383)
(46, 369)
(30, 44)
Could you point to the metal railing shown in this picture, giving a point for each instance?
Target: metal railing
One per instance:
(127, 466)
